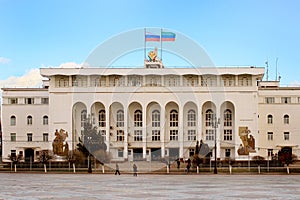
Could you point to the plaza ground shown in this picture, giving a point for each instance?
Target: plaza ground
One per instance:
(146, 186)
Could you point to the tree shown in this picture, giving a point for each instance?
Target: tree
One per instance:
(286, 157)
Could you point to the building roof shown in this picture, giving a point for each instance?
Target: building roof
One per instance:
(48, 72)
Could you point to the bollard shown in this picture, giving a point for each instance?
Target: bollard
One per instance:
(168, 170)
(197, 169)
(103, 171)
(74, 168)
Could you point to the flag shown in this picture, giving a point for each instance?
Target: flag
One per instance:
(168, 36)
(149, 37)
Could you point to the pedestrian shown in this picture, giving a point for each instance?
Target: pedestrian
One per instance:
(117, 169)
(188, 167)
(134, 170)
(178, 163)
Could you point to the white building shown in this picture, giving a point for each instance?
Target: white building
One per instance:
(148, 113)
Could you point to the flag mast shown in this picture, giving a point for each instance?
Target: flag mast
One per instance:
(161, 44)
(144, 43)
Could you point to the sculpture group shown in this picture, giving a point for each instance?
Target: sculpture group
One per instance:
(59, 145)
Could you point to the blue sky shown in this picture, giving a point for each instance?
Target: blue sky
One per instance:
(36, 34)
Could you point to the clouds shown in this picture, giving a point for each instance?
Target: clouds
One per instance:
(4, 60)
(30, 79)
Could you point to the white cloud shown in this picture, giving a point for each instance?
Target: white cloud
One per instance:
(4, 60)
(294, 84)
(30, 79)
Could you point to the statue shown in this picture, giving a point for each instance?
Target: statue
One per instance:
(152, 55)
(58, 142)
(248, 142)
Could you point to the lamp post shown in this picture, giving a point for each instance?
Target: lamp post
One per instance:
(215, 125)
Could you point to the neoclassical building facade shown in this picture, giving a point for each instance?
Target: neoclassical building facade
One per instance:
(150, 113)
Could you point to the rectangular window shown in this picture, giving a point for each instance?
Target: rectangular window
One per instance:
(270, 152)
(286, 135)
(209, 134)
(285, 99)
(227, 153)
(120, 135)
(29, 100)
(191, 152)
(13, 153)
(45, 100)
(12, 100)
(29, 137)
(138, 135)
(155, 135)
(228, 134)
(191, 135)
(13, 137)
(270, 100)
(173, 135)
(270, 136)
(45, 137)
(120, 153)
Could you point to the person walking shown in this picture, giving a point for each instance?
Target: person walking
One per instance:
(134, 170)
(117, 169)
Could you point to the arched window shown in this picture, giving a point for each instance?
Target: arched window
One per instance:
(191, 118)
(101, 118)
(286, 119)
(45, 120)
(173, 118)
(29, 120)
(83, 117)
(13, 120)
(120, 118)
(138, 118)
(270, 119)
(227, 117)
(209, 117)
(155, 118)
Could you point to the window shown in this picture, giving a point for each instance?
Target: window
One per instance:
(173, 118)
(138, 118)
(29, 120)
(227, 118)
(228, 134)
(286, 119)
(13, 120)
(174, 135)
(270, 152)
(101, 118)
(120, 118)
(12, 100)
(270, 119)
(45, 120)
(120, 153)
(120, 135)
(103, 133)
(13, 153)
(286, 135)
(13, 137)
(138, 135)
(29, 137)
(83, 117)
(45, 100)
(270, 100)
(209, 117)
(191, 118)
(270, 136)
(210, 134)
(29, 100)
(191, 135)
(45, 137)
(227, 153)
(155, 118)
(155, 135)
(285, 99)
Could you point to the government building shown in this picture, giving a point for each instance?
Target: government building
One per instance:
(154, 112)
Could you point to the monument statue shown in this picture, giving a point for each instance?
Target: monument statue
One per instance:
(248, 145)
(59, 148)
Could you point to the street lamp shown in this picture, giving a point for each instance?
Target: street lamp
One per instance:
(215, 125)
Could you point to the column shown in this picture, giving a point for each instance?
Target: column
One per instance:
(218, 132)
(162, 131)
(107, 128)
(180, 131)
(144, 132)
(199, 124)
(125, 152)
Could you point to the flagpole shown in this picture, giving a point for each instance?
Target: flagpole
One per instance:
(161, 44)
(145, 43)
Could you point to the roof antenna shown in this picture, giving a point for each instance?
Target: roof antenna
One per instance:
(276, 70)
(267, 73)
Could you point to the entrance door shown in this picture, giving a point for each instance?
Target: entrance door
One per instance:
(137, 154)
(29, 153)
(155, 153)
